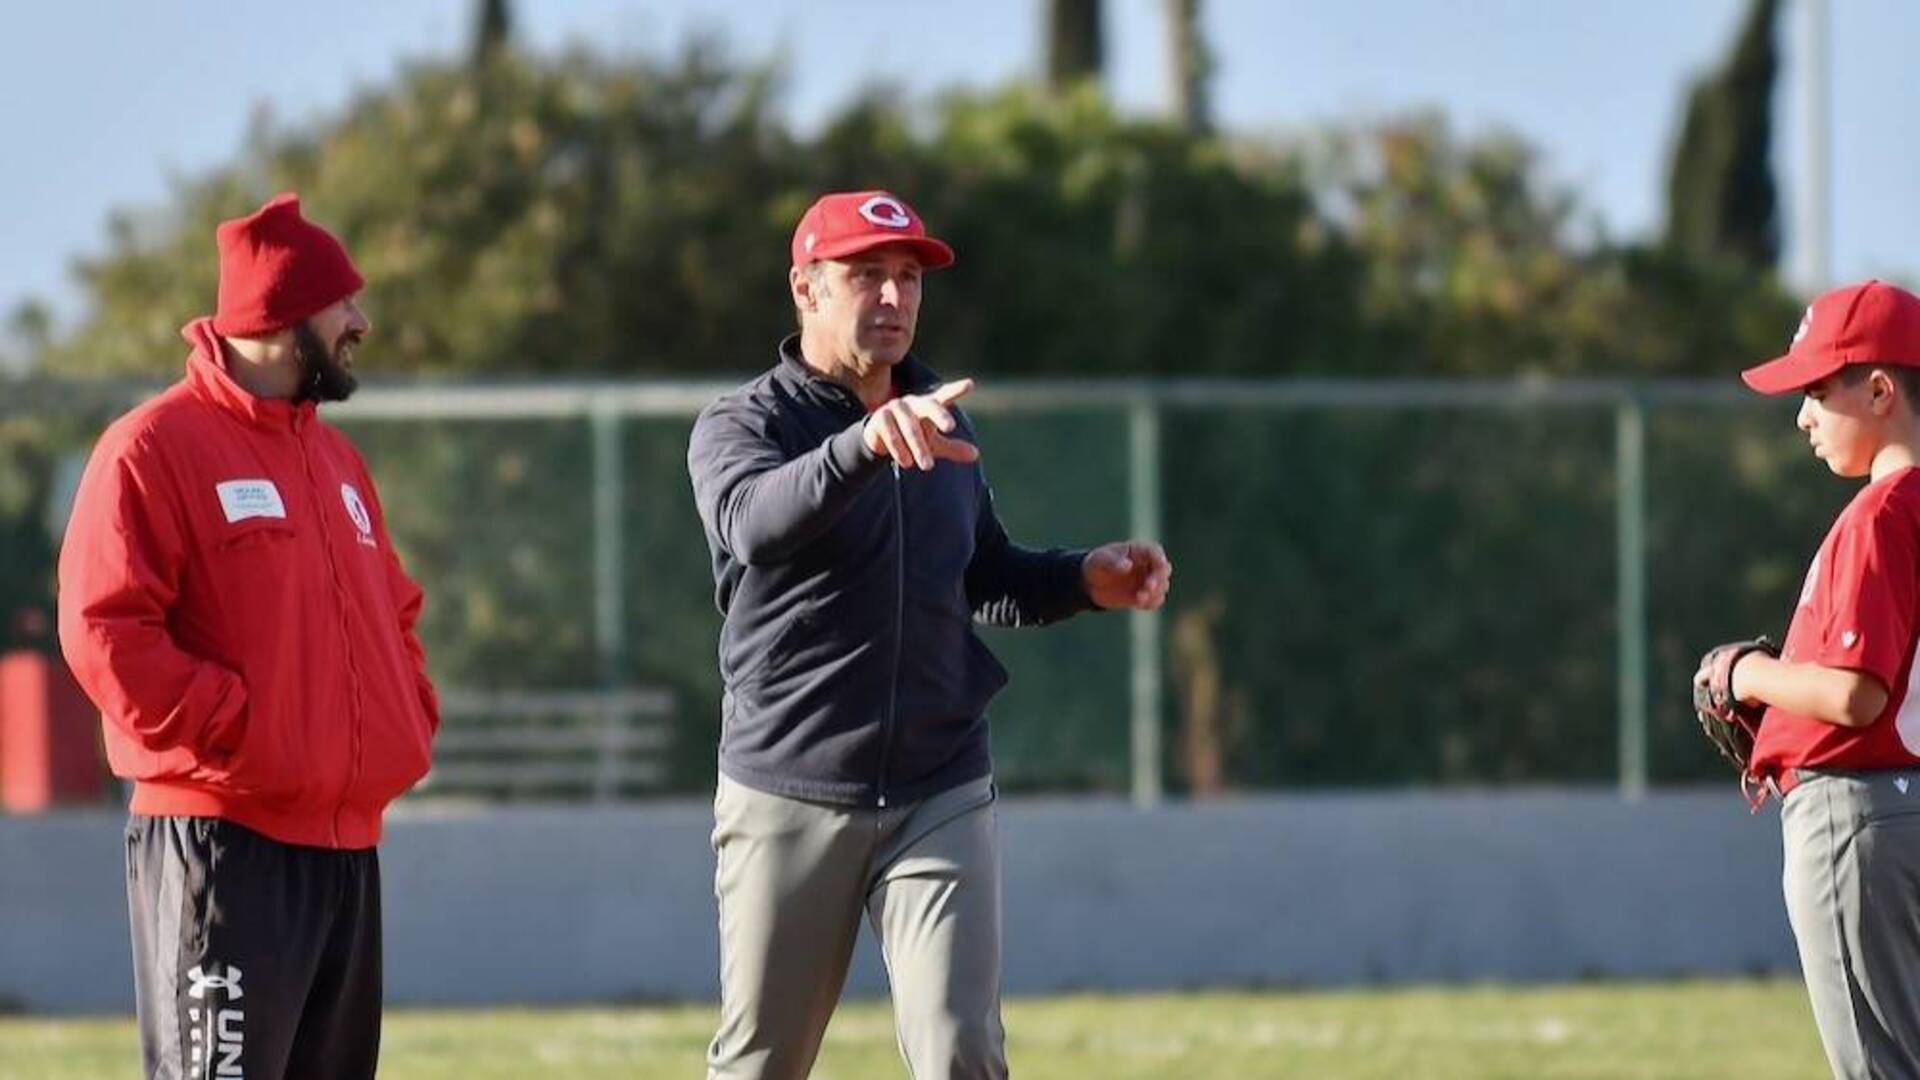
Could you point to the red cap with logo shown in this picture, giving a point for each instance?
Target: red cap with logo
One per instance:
(1869, 323)
(846, 223)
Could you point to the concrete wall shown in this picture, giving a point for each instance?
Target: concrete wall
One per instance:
(572, 905)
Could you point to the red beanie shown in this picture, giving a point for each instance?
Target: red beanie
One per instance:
(277, 269)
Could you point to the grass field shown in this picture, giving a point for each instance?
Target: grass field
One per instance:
(1748, 1030)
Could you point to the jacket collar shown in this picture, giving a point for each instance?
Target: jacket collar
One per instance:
(208, 379)
(910, 376)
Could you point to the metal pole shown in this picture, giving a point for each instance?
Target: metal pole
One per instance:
(1814, 212)
(1631, 511)
(609, 579)
(1143, 439)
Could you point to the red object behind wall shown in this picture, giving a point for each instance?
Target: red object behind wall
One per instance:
(49, 736)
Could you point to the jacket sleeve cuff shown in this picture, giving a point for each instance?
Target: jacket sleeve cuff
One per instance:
(849, 453)
(1073, 584)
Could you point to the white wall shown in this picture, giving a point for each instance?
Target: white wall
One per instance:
(573, 905)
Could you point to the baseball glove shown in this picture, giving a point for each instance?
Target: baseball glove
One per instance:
(1729, 725)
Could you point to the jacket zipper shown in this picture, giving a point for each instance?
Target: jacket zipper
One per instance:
(340, 604)
(888, 721)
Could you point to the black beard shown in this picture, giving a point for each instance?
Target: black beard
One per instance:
(322, 376)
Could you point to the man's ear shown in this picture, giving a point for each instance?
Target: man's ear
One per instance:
(802, 289)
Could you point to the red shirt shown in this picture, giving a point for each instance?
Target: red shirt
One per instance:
(1858, 610)
(230, 601)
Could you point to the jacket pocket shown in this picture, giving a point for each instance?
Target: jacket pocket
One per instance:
(751, 670)
(260, 530)
(254, 568)
(256, 571)
(396, 752)
(253, 547)
(946, 673)
(256, 766)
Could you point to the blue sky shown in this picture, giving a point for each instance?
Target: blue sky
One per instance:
(105, 100)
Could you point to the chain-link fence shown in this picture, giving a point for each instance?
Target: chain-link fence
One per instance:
(1377, 583)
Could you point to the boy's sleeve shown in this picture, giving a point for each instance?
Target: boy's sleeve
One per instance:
(1876, 585)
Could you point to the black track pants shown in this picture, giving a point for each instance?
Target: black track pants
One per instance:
(252, 957)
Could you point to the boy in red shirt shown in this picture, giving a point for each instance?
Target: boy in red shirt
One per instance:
(230, 600)
(1840, 738)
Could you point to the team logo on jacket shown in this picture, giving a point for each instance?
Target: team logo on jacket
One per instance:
(357, 510)
(886, 210)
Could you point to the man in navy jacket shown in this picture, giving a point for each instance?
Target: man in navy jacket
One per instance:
(854, 544)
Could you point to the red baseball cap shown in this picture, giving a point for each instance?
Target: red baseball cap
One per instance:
(846, 223)
(1869, 323)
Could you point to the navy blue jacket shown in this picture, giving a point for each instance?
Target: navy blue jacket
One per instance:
(850, 588)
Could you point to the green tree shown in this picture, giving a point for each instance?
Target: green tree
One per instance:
(1096, 245)
(574, 214)
(1190, 66)
(1721, 201)
(1476, 263)
(559, 214)
(492, 32)
(1076, 45)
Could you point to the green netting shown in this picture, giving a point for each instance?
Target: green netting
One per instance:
(1736, 508)
(1394, 596)
(1364, 596)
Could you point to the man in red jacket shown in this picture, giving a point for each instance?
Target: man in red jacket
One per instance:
(230, 600)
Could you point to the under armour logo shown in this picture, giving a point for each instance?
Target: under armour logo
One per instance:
(203, 982)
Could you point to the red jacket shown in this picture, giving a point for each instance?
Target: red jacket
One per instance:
(230, 600)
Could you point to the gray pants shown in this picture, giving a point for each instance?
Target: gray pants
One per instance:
(792, 882)
(1852, 881)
